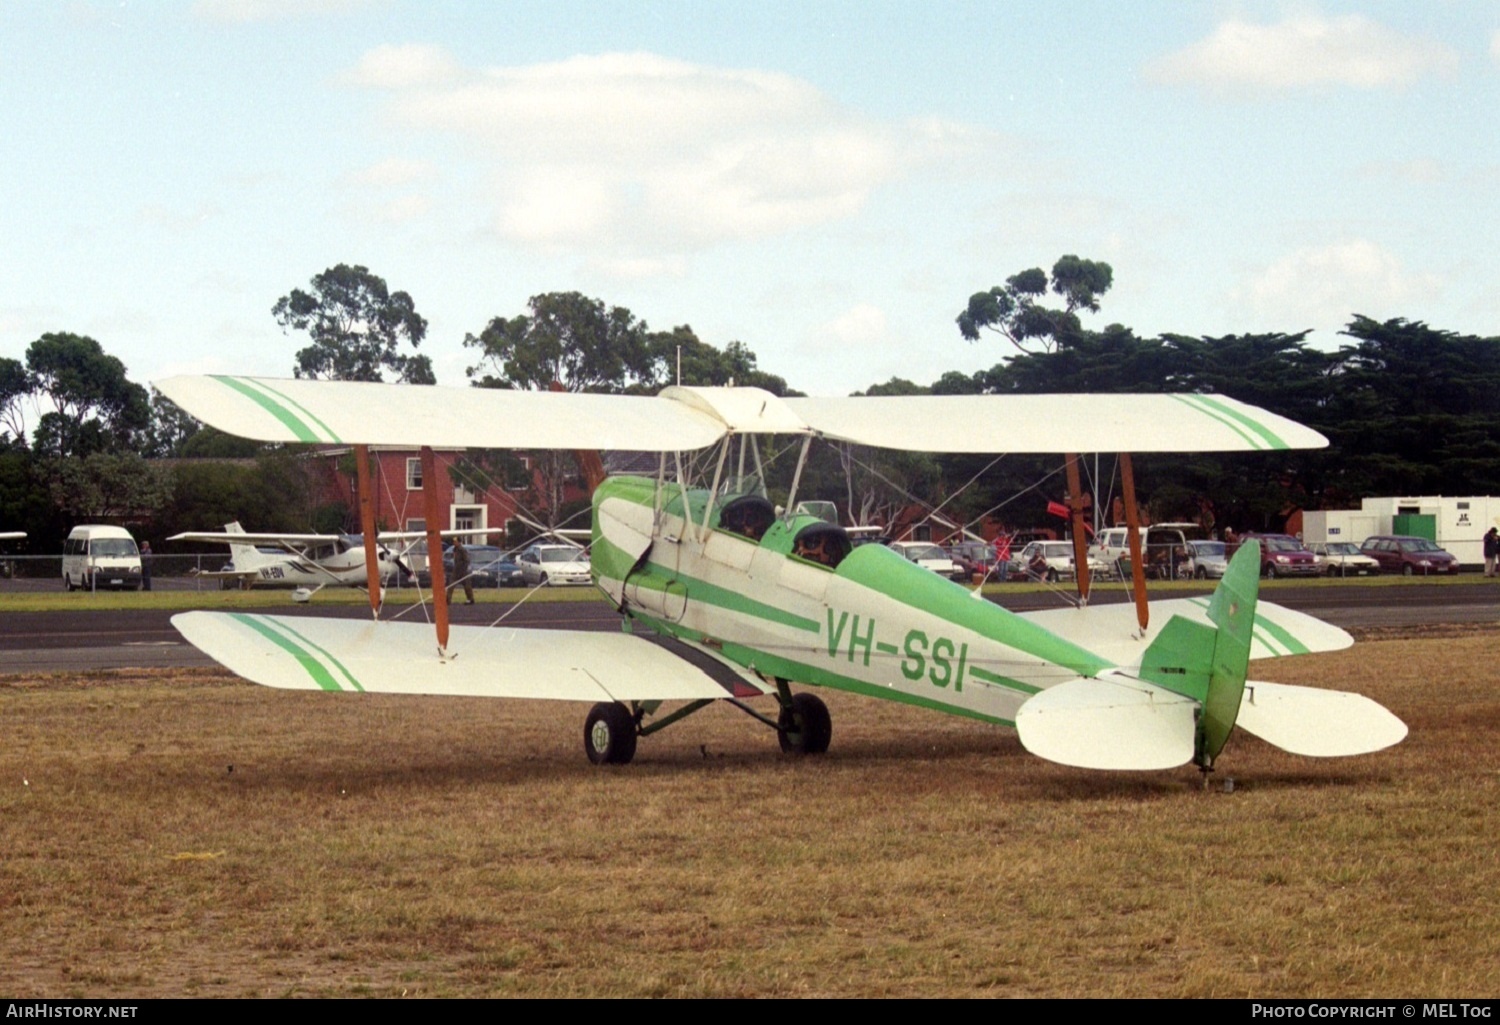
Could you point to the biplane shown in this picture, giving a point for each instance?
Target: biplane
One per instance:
(725, 597)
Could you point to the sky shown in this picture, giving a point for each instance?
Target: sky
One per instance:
(826, 182)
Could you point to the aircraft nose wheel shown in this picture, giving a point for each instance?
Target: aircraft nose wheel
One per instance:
(609, 734)
(805, 728)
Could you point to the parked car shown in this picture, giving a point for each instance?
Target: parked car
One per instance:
(1343, 559)
(1166, 551)
(975, 558)
(1045, 560)
(489, 566)
(929, 556)
(1209, 559)
(1410, 556)
(1282, 555)
(554, 565)
(97, 556)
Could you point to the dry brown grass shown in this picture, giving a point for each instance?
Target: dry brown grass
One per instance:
(445, 847)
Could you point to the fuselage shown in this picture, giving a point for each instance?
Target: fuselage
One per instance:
(876, 624)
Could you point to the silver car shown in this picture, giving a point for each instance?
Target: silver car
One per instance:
(1343, 559)
(1209, 560)
(554, 565)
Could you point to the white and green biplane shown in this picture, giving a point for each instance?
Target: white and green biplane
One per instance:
(726, 598)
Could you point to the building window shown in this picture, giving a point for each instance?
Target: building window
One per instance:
(414, 474)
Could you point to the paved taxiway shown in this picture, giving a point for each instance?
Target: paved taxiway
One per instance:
(87, 640)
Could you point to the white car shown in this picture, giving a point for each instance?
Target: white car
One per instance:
(928, 556)
(554, 565)
(1343, 559)
(1046, 560)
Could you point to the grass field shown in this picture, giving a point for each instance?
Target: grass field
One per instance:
(193, 835)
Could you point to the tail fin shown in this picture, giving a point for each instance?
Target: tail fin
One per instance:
(244, 555)
(1210, 663)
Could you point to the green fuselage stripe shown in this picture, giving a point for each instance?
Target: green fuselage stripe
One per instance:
(1002, 681)
(277, 633)
(769, 664)
(258, 393)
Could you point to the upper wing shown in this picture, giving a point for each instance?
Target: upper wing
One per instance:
(1111, 630)
(1055, 423)
(690, 418)
(399, 414)
(314, 653)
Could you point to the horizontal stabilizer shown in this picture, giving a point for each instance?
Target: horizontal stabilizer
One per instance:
(1317, 723)
(1111, 722)
(1111, 631)
(315, 653)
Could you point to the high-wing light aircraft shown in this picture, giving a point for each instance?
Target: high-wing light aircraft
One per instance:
(307, 562)
(725, 598)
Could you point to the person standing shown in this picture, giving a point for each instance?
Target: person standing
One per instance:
(146, 557)
(1491, 551)
(461, 573)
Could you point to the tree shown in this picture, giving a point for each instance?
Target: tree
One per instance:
(1014, 310)
(94, 407)
(15, 385)
(569, 339)
(108, 486)
(356, 324)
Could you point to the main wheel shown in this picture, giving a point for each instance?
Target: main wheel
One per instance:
(609, 734)
(1201, 573)
(1270, 571)
(1052, 576)
(1408, 571)
(806, 727)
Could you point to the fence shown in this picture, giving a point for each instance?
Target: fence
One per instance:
(168, 572)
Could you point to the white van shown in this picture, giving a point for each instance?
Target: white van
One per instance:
(97, 556)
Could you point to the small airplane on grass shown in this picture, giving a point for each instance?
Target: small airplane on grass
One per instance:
(308, 562)
(724, 597)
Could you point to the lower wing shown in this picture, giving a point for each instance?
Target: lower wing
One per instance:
(313, 653)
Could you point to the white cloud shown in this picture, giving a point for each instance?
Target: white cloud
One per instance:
(1303, 51)
(405, 67)
(861, 328)
(1323, 287)
(644, 153)
(245, 12)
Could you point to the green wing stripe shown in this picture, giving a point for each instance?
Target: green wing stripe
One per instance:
(257, 393)
(1268, 633)
(309, 662)
(300, 408)
(1002, 681)
(328, 655)
(1236, 420)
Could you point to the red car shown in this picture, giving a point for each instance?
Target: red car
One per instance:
(1282, 555)
(1410, 556)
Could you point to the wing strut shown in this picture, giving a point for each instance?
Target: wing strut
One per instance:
(433, 509)
(1133, 522)
(367, 525)
(1080, 542)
